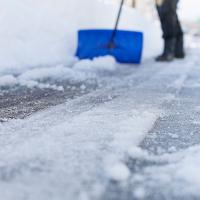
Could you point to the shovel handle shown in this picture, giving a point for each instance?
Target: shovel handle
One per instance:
(116, 24)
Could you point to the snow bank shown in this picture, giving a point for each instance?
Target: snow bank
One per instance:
(81, 71)
(43, 33)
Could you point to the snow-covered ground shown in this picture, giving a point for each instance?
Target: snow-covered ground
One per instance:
(134, 137)
(74, 150)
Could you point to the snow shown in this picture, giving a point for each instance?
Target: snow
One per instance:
(44, 34)
(139, 193)
(72, 143)
(119, 172)
(143, 121)
(181, 168)
(80, 71)
(136, 152)
(73, 150)
(42, 38)
(107, 63)
(84, 143)
(7, 80)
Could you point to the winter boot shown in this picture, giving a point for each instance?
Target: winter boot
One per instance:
(179, 48)
(168, 54)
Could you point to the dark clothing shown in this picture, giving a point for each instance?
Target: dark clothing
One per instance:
(172, 31)
(169, 19)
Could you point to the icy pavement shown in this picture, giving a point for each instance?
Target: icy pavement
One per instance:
(135, 137)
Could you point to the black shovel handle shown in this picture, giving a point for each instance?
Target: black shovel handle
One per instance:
(111, 43)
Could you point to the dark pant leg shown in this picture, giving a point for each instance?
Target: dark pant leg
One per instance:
(169, 19)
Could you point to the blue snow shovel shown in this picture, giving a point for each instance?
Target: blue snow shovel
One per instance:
(125, 46)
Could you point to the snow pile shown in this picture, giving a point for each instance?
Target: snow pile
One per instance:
(100, 64)
(10, 81)
(80, 71)
(44, 33)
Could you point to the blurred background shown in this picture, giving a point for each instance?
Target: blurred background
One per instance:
(188, 11)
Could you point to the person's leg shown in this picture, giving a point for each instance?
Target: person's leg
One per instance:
(172, 32)
(179, 47)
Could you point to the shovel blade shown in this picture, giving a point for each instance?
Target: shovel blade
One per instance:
(127, 48)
